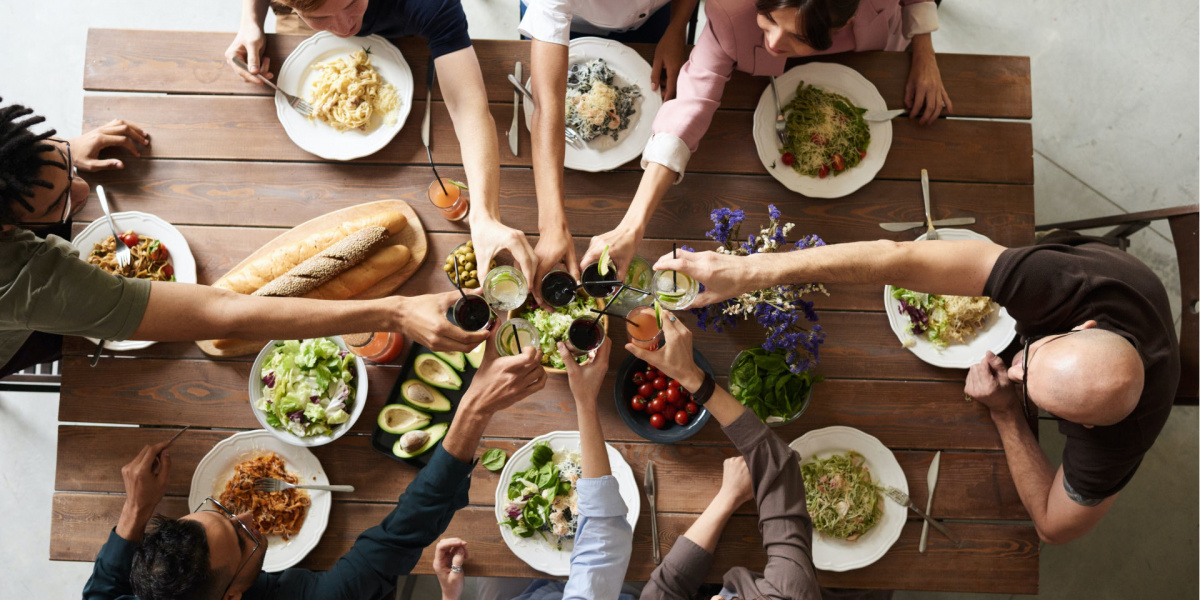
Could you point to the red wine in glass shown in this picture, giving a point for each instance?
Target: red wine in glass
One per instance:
(584, 335)
(471, 313)
(558, 288)
(598, 290)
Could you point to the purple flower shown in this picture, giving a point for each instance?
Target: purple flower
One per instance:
(726, 223)
(774, 212)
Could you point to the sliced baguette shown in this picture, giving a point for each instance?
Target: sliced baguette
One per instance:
(382, 263)
(327, 264)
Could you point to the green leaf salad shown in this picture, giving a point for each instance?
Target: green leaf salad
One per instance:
(842, 499)
(552, 324)
(762, 382)
(542, 499)
(307, 386)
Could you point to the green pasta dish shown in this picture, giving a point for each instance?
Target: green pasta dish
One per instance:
(825, 132)
(843, 501)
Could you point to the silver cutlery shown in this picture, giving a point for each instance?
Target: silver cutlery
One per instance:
(780, 122)
(428, 101)
(513, 134)
(931, 481)
(931, 234)
(124, 257)
(882, 115)
(295, 102)
(572, 136)
(902, 499)
(272, 485)
(169, 442)
(649, 486)
(906, 225)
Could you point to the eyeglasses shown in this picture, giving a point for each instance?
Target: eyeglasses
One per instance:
(1024, 383)
(211, 505)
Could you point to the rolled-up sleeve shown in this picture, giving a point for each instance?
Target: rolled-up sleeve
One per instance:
(603, 541)
(681, 572)
(547, 21)
(920, 16)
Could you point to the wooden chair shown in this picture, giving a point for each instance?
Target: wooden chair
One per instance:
(1184, 221)
(38, 378)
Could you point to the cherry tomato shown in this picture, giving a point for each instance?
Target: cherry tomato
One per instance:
(169, 271)
(159, 253)
(673, 395)
(660, 383)
(130, 239)
(681, 417)
(658, 405)
(638, 404)
(646, 390)
(673, 384)
(819, 139)
(823, 172)
(658, 421)
(638, 379)
(788, 159)
(692, 408)
(862, 154)
(839, 163)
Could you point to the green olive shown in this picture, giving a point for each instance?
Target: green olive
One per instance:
(468, 265)
(447, 268)
(471, 283)
(470, 256)
(473, 274)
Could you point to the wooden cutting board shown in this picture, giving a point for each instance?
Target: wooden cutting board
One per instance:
(413, 236)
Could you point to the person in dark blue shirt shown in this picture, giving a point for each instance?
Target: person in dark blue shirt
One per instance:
(214, 554)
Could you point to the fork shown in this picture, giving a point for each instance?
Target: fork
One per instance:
(932, 233)
(123, 254)
(272, 485)
(295, 102)
(902, 499)
(780, 122)
(572, 136)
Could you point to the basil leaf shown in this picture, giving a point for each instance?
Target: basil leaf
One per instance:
(494, 459)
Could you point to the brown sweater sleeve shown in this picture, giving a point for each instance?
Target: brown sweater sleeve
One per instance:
(680, 574)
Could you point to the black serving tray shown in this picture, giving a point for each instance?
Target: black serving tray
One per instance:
(383, 441)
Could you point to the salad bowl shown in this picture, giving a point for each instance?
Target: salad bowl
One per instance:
(304, 384)
(542, 322)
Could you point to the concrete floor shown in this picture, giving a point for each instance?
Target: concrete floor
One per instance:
(1115, 93)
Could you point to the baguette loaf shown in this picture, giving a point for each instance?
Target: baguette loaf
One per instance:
(382, 263)
(326, 265)
(279, 261)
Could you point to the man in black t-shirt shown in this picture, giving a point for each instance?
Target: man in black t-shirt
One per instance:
(1100, 349)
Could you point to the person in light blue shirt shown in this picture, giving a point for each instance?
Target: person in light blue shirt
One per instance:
(604, 538)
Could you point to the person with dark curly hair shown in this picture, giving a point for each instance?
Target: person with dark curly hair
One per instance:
(46, 291)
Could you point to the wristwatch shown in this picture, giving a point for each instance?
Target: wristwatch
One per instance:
(705, 392)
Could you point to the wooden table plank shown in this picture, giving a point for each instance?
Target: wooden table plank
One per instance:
(246, 128)
(973, 485)
(993, 558)
(190, 62)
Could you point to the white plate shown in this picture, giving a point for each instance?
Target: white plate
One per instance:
(297, 75)
(144, 225)
(830, 554)
(217, 467)
(602, 153)
(287, 437)
(535, 551)
(997, 332)
(831, 78)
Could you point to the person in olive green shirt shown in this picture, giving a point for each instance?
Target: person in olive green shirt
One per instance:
(46, 291)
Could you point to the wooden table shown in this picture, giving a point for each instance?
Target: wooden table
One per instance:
(222, 169)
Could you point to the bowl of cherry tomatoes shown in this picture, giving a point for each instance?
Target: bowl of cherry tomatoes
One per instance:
(655, 406)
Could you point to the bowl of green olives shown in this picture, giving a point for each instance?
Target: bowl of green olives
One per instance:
(467, 268)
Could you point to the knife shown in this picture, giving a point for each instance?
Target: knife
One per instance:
(513, 136)
(902, 499)
(882, 115)
(906, 225)
(428, 101)
(932, 481)
(648, 485)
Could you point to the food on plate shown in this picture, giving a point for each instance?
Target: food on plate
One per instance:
(458, 360)
(468, 270)
(401, 418)
(494, 459)
(380, 264)
(596, 105)
(308, 387)
(826, 133)
(420, 395)
(436, 372)
(761, 381)
(943, 319)
(418, 442)
(842, 499)
(552, 325)
(149, 258)
(326, 264)
(348, 91)
(278, 513)
(475, 357)
(661, 399)
(542, 499)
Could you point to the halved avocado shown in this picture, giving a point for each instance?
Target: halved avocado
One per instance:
(420, 395)
(401, 418)
(475, 357)
(435, 433)
(437, 372)
(458, 360)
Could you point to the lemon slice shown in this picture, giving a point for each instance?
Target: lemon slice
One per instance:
(658, 313)
(603, 266)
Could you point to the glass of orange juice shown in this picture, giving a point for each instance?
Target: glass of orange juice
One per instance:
(449, 198)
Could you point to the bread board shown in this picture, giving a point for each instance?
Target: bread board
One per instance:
(413, 236)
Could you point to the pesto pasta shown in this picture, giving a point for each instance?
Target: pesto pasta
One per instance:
(826, 133)
(842, 499)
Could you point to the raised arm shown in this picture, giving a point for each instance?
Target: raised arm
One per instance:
(671, 50)
(549, 79)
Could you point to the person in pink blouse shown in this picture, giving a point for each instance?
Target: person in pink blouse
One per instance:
(757, 37)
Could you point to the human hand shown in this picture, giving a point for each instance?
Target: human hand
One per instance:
(502, 381)
(622, 247)
(988, 384)
(669, 55)
(448, 559)
(423, 320)
(723, 275)
(85, 149)
(924, 94)
(249, 45)
(554, 247)
(736, 486)
(586, 379)
(674, 358)
(145, 479)
(492, 237)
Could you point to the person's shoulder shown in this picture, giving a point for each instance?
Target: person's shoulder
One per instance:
(19, 246)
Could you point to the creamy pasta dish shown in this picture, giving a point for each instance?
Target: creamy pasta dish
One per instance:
(349, 91)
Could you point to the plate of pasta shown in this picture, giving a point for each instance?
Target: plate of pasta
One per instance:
(293, 520)
(361, 89)
(159, 253)
(832, 151)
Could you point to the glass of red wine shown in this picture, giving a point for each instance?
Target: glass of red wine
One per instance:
(471, 313)
(585, 335)
(558, 288)
(591, 279)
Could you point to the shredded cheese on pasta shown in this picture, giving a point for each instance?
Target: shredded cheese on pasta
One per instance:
(349, 91)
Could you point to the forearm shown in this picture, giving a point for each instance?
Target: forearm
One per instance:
(722, 405)
(1031, 471)
(706, 531)
(922, 46)
(681, 13)
(549, 64)
(131, 525)
(656, 180)
(466, 429)
(254, 12)
(466, 100)
(591, 441)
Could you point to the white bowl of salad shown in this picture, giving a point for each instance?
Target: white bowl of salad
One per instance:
(308, 392)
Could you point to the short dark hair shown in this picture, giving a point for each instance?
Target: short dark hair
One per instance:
(21, 160)
(173, 563)
(818, 18)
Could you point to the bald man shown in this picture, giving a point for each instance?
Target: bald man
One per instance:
(1099, 349)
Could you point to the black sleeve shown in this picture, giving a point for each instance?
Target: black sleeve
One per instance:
(110, 574)
(1097, 470)
(444, 24)
(1040, 286)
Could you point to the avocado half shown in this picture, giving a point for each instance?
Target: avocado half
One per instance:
(435, 432)
(437, 372)
(401, 418)
(475, 357)
(419, 395)
(458, 360)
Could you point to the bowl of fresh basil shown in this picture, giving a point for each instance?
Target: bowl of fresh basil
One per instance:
(762, 382)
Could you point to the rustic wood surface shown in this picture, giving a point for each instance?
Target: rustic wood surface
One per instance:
(221, 168)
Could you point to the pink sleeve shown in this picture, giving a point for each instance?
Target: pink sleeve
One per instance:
(908, 2)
